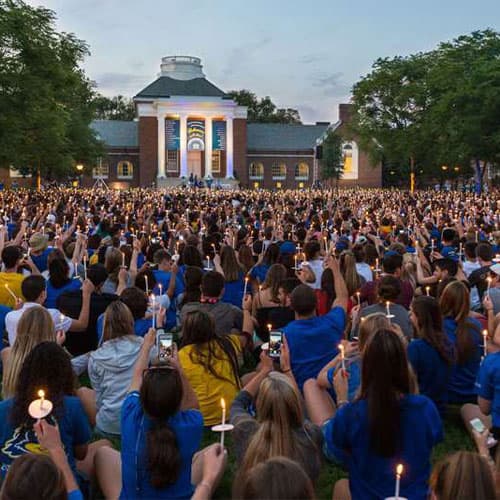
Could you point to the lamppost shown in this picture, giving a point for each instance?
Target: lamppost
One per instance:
(79, 169)
(444, 168)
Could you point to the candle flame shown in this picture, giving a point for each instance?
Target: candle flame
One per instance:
(41, 394)
(399, 469)
(485, 333)
(223, 403)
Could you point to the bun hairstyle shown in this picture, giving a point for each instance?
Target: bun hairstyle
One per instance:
(161, 396)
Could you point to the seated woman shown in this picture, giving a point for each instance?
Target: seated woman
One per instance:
(210, 363)
(280, 427)
(464, 333)
(161, 431)
(34, 327)
(234, 277)
(384, 426)
(47, 367)
(59, 279)
(430, 353)
(111, 367)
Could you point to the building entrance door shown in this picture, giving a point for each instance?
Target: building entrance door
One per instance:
(194, 163)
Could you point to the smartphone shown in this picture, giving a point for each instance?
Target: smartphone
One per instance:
(164, 343)
(275, 342)
(477, 425)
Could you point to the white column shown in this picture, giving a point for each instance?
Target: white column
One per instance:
(161, 146)
(208, 146)
(229, 147)
(183, 145)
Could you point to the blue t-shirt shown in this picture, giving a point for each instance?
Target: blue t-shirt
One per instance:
(461, 384)
(432, 371)
(372, 476)
(488, 384)
(353, 368)
(163, 277)
(53, 293)
(73, 426)
(141, 326)
(4, 310)
(259, 272)
(40, 261)
(233, 291)
(188, 429)
(314, 342)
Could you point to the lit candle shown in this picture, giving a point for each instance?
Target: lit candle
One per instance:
(61, 320)
(399, 472)
(40, 408)
(432, 245)
(246, 286)
(123, 259)
(488, 279)
(427, 291)
(208, 262)
(223, 405)
(147, 286)
(41, 395)
(376, 265)
(296, 261)
(85, 267)
(388, 315)
(326, 244)
(485, 342)
(161, 289)
(358, 295)
(342, 359)
(153, 306)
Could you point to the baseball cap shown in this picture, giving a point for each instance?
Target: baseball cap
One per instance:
(38, 242)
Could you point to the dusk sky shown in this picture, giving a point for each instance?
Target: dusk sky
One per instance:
(303, 54)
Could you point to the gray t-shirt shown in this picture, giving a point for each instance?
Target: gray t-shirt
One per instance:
(228, 318)
(401, 316)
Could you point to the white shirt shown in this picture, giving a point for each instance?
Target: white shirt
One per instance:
(364, 270)
(12, 319)
(317, 268)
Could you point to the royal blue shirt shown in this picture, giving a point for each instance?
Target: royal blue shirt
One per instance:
(347, 440)
(15, 442)
(259, 272)
(488, 384)
(233, 291)
(461, 384)
(163, 278)
(40, 261)
(353, 368)
(432, 371)
(314, 342)
(53, 293)
(188, 429)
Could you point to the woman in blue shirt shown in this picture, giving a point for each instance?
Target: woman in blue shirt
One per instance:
(430, 353)
(59, 280)
(234, 277)
(464, 333)
(161, 430)
(385, 426)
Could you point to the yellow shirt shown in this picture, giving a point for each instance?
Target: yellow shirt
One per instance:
(13, 280)
(210, 389)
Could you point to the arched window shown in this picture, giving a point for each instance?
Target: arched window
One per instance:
(278, 171)
(256, 170)
(125, 170)
(302, 171)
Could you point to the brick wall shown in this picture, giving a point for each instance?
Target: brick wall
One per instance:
(148, 147)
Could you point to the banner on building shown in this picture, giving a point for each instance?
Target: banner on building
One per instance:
(196, 135)
(173, 134)
(219, 135)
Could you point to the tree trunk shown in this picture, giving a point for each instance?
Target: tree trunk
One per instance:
(412, 174)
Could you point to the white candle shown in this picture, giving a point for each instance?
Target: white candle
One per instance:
(485, 342)
(342, 358)
(41, 395)
(246, 286)
(161, 289)
(85, 267)
(358, 295)
(488, 279)
(147, 286)
(376, 265)
(223, 405)
(388, 315)
(399, 472)
(427, 291)
(123, 259)
(154, 309)
(208, 262)
(296, 261)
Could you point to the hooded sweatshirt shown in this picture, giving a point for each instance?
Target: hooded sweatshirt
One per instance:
(110, 370)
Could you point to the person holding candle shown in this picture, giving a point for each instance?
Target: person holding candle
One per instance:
(478, 278)
(10, 279)
(161, 431)
(464, 334)
(234, 277)
(47, 366)
(386, 424)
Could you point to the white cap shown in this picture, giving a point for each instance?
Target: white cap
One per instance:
(495, 268)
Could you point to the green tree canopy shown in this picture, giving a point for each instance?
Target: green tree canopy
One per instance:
(45, 97)
(331, 163)
(264, 110)
(114, 108)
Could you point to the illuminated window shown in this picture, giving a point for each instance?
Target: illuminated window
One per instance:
(101, 170)
(173, 161)
(216, 162)
(302, 171)
(301, 185)
(256, 185)
(256, 170)
(278, 185)
(125, 170)
(278, 171)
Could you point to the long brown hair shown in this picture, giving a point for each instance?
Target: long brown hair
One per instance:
(34, 327)
(112, 262)
(118, 321)
(384, 378)
(455, 303)
(198, 330)
(245, 258)
(349, 272)
(229, 264)
(463, 475)
(430, 325)
(275, 275)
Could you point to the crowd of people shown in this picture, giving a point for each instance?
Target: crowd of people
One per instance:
(315, 326)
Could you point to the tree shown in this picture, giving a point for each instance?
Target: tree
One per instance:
(264, 110)
(332, 162)
(45, 97)
(114, 108)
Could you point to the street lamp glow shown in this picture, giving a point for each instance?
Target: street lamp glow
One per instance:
(79, 167)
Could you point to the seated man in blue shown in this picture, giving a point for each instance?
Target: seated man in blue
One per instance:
(162, 274)
(313, 340)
